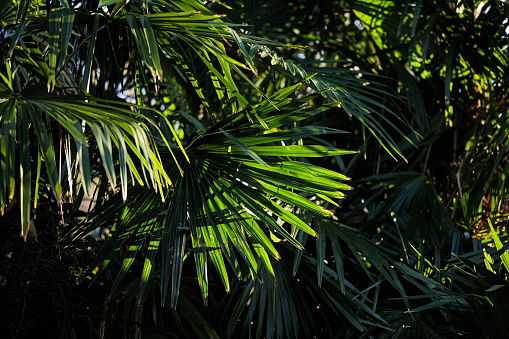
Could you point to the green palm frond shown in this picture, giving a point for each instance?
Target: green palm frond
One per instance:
(207, 148)
(477, 291)
(486, 151)
(404, 194)
(288, 306)
(355, 97)
(230, 199)
(121, 135)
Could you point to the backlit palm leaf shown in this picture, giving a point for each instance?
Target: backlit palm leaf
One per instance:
(231, 196)
(121, 135)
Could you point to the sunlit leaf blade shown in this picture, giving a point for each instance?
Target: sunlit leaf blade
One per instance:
(83, 162)
(243, 50)
(168, 239)
(230, 224)
(289, 134)
(37, 179)
(178, 260)
(223, 238)
(85, 81)
(118, 139)
(55, 20)
(25, 171)
(46, 150)
(504, 256)
(17, 34)
(205, 233)
(7, 151)
(65, 34)
(451, 54)
(177, 140)
(251, 203)
(243, 147)
(200, 258)
(297, 151)
(228, 80)
(146, 43)
(105, 147)
(277, 210)
(140, 237)
(153, 247)
(33, 57)
(291, 198)
(107, 3)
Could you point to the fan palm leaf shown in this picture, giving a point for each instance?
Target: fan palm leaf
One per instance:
(231, 196)
(111, 126)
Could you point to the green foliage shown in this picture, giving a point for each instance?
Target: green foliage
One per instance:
(211, 139)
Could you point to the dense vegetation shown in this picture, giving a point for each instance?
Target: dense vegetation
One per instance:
(254, 168)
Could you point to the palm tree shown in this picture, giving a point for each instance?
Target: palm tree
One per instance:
(202, 139)
(199, 159)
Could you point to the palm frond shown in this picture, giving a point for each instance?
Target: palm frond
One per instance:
(119, 133)
(230, 196)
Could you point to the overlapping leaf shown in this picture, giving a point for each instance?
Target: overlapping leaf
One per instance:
(116, 130)
(228, 201)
